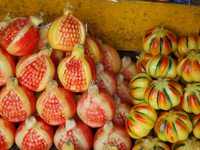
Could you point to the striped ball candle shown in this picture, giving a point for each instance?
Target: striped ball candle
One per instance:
(137, 87)
(159, 40)
(190, 101)
(173, 126)
(188, 66)
(163, 93)
(160, 66)
(186, 43)
(140, 120)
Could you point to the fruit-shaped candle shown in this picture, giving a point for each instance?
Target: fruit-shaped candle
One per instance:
(76, 70)
(95, 107)
(140, 120)
(137, 87)
(150, 143)
(66, 31)
(56, 55)
(163, 93)
(160, 66)
(75, 132)
(173, 126)
(122, 108)
(7, 67)
(142, 60)
(7, 134)
(188, 66)
(128, 68)
(105, 79)
(187, 43)
(122, 89)
(16, 101)
(112, 135)
(35, 69)
(190, 143)
(93, 49)
(21, 35)
(111, 58)
(4, 22)
(34, 134)
(56, 104)
(190, 101)
(196, 124)
(159, 41)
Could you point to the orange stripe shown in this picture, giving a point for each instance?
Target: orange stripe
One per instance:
(186, 67)
(196, 67)
(139, 117)
(155, 44)
(164, 64)
(179, 125)
(166, 44)
(161, 98)
(193, 102)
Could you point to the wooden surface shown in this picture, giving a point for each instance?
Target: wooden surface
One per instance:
(120, 24)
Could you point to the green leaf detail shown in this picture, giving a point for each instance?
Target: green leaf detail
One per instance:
(178, 145)
(132, 120)
(174, 89)
(197, 84)
(68, 142)
(48, 45)
(147, 35)
(169, 41)
(187, 41)
(197, 98)
(139, 77)
(182, 114)
(167, 96)
(157, 98)
(161, 147)
(151, 42)
(187, 99)
(137, 99)
(151, 90)
(198, 90)
(128, 125)
(158, 65)
(141, 147)
(170, 66)
(140, 112)
(185, 56)
(174, 128)
(161, 44)
(138, 142)
(180, 120)
(160, 121)
(134, 88)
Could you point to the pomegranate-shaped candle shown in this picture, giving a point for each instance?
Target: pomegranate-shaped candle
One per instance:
(74, 132)
(34, 134)
(95, 107)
